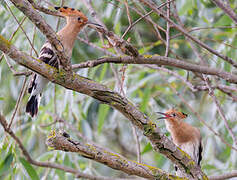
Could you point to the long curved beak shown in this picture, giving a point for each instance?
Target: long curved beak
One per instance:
(164, 117)
(94, 25)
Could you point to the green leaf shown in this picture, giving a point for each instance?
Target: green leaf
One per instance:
(208, 166)
(103, 71)
(1, 99)
(5, 164)
(147, 148)
(60, 174)
(117, 29)
(227, 67)
(67, 161)
(3, 3)
(145, 49)
(145, 99)
(30, 170)
(188, 6)
(103, 111)
(223, 21)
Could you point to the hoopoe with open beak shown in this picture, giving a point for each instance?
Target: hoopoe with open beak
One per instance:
(185, 136)
(76, 20)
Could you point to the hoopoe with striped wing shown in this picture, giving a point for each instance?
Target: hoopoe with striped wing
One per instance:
(185, 136)
(76, 20)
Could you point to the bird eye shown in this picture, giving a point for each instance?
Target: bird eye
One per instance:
(173, 114)
(78, 18)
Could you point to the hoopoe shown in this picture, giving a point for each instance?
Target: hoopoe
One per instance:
(76, 20)
(185, 136)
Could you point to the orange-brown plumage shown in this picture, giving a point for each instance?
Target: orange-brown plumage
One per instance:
(185, 136)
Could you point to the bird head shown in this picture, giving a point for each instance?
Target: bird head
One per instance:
(75, 16)
(173, 115)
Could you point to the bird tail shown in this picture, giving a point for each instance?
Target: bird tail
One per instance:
(33, 105)
(36, 87)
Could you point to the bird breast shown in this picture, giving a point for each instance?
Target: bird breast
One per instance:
(182, 132)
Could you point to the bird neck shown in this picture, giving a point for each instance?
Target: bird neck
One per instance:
(172, 124)
(68, 36)
(181, 132)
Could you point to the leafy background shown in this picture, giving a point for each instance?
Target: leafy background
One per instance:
(150, 89)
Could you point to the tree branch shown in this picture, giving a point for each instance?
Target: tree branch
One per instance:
(224, 176)
(43, 9)
(160, 60)
(78, 174)
(100, 92)
(62, 141)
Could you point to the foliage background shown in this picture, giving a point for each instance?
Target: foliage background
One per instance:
(150, 89)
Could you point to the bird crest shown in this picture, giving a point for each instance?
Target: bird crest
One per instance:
(70, 12)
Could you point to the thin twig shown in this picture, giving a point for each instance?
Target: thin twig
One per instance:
(223, 88)
(128, 13)
(105, 51)
(220, 110)
(155, 26)
(93, 12)
(167, 30)
(187, 83)
(18, 102)
(203, 28)
(14, 72)
(135, 22)
(32, 46)
(45, 10)
(142, 17)
(14, 33)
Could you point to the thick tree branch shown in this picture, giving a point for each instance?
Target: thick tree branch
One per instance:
(224, 176)
(41, 24)
(78, 174)
(100, 92)
(62, 141)
(160, 60)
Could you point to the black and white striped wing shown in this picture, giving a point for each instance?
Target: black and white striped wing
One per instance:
(48, 56)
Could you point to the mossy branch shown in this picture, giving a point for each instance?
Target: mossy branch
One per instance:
(100, 92)
(62, 141)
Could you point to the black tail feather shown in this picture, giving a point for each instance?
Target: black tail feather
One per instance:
(32, 84)
(32, 106)
(176, 168)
